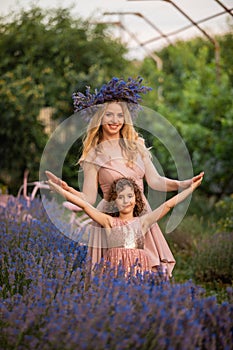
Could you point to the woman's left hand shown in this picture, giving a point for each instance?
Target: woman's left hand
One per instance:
(186, 183)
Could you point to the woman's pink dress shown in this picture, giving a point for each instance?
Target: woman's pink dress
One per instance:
(155, 245)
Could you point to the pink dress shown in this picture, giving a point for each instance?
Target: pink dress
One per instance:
(126, 246)
(155, 245)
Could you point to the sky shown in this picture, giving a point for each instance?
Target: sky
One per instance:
(143, 21)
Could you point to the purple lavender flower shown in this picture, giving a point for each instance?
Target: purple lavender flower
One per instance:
(44, 303)
(115, 90)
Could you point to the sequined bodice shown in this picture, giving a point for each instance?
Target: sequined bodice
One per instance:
(125, 234)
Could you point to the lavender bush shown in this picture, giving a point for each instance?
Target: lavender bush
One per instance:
(45, 302)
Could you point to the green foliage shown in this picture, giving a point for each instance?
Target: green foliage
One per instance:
(224, 214)
(187, 235)
(203, 244)
(20, 132)
(44, 57)
(213, 259)
(183, 242)
(197, 95)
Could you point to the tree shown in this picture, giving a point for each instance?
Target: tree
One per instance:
(44, 57)
(199, 106)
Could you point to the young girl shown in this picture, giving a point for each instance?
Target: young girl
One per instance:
(125, 229)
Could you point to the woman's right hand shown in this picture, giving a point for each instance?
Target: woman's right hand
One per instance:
(57, 180)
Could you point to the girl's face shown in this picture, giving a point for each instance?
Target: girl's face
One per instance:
(126, 200)
(112, 121)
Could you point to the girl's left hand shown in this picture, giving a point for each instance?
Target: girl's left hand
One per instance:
(186, 183)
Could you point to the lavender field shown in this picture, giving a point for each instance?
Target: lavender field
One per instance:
(46, 305)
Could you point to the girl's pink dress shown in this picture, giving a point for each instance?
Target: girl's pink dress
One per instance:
(126, 246)
(155, 245)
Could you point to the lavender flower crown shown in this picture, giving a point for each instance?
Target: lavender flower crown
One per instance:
(115, 90)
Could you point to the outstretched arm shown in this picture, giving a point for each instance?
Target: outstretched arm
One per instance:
(161, 183)
(102, 219)
(56, 180)
(149, 219)
(90, 185)
(189, 182)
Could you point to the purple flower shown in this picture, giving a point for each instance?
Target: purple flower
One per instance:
(115, 90)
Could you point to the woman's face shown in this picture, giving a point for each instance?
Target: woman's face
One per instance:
(126, 200)
(112, 121)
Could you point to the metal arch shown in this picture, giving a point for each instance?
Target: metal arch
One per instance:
(196, 24)
(155, 57)
(186, 27)
(151, 54)
(139, 14)
(225, 8)
(212, 40)
(193, 23)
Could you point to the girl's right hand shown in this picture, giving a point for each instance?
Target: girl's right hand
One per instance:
(55, 187)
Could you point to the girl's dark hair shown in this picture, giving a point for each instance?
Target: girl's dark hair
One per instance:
(117, 187)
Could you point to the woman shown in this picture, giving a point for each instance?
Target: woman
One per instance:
(127, 226)
(113, 149)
